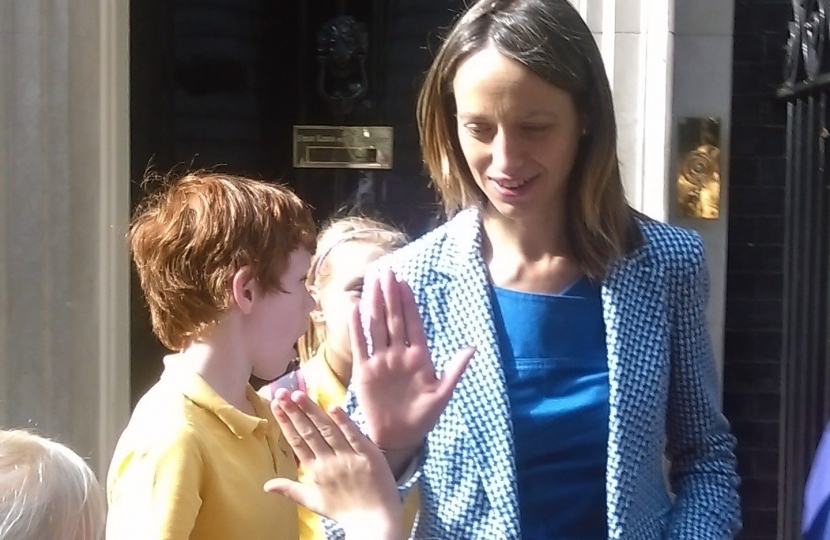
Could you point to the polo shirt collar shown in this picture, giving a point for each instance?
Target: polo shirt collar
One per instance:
(197, 390)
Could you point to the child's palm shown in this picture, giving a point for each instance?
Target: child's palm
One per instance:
(344, 476)
(330, 485)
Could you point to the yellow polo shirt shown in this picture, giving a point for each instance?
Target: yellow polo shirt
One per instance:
(191, 466)
(325, 389)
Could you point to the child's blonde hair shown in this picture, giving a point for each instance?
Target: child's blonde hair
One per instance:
(334, 233)
(47, 491)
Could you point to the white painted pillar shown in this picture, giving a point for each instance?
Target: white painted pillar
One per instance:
(64, 205)
(669, 59)
(702, 88)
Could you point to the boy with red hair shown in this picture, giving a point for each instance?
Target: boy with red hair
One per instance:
(222, 262)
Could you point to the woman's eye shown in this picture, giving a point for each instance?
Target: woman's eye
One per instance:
(536, 128)
(477, 129)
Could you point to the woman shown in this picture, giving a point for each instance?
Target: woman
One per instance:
(592, 358)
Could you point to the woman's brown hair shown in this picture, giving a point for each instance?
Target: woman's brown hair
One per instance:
(550, 38)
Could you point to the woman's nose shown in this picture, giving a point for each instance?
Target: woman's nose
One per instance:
(506, 153)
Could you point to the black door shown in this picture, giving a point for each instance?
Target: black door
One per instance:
(220, 84)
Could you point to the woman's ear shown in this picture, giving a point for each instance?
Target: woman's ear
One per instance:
(243, 289)
(584, 125)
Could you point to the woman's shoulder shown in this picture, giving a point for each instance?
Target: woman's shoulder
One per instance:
(441, 244)
(670, 244)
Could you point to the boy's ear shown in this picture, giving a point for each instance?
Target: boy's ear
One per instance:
(243, 289)
(316, 314)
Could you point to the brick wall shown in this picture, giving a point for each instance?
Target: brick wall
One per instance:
(752, 370)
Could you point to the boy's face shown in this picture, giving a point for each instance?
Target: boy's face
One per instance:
(278, 319)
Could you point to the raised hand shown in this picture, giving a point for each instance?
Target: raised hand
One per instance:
(396, 385)
(345, 476)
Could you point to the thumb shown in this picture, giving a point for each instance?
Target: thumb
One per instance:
(452, 374)
(295, 491)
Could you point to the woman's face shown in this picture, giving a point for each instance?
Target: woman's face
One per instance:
(519, 134)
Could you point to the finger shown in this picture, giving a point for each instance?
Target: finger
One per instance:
(280, 394)
(359, 442)
(304, 429)
(394, 314)
(295, 491)
(452, 374)
(301, 449)
(298, 445)
(360, 351)
(327, 428)
(412, 317)
(377, 315)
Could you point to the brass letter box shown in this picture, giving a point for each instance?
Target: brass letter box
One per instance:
(343, 147)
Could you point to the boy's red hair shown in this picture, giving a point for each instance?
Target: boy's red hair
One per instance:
(188, 240)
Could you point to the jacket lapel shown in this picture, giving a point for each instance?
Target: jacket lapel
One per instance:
(634, 312)
(461, 287)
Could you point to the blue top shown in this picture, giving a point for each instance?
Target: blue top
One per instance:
(555, 363)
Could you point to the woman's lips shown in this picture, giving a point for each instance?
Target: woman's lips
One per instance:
(512, 186)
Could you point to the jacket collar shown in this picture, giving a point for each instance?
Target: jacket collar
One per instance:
(462, 244)
(464, 239)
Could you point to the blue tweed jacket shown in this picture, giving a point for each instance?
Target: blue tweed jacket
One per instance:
(663, 394)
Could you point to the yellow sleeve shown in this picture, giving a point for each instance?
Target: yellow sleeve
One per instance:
(411, 506)
(153, 489)
(324, 389)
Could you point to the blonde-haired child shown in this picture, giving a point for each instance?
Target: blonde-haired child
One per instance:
(47, 491)
(345, 248)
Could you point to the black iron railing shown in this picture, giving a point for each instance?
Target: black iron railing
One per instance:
(805, 386)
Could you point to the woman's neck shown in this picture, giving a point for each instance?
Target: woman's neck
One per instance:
(528, 255)
(530, 239)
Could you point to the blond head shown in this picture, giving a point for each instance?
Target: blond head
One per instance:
(47, 491)
(338, 234)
